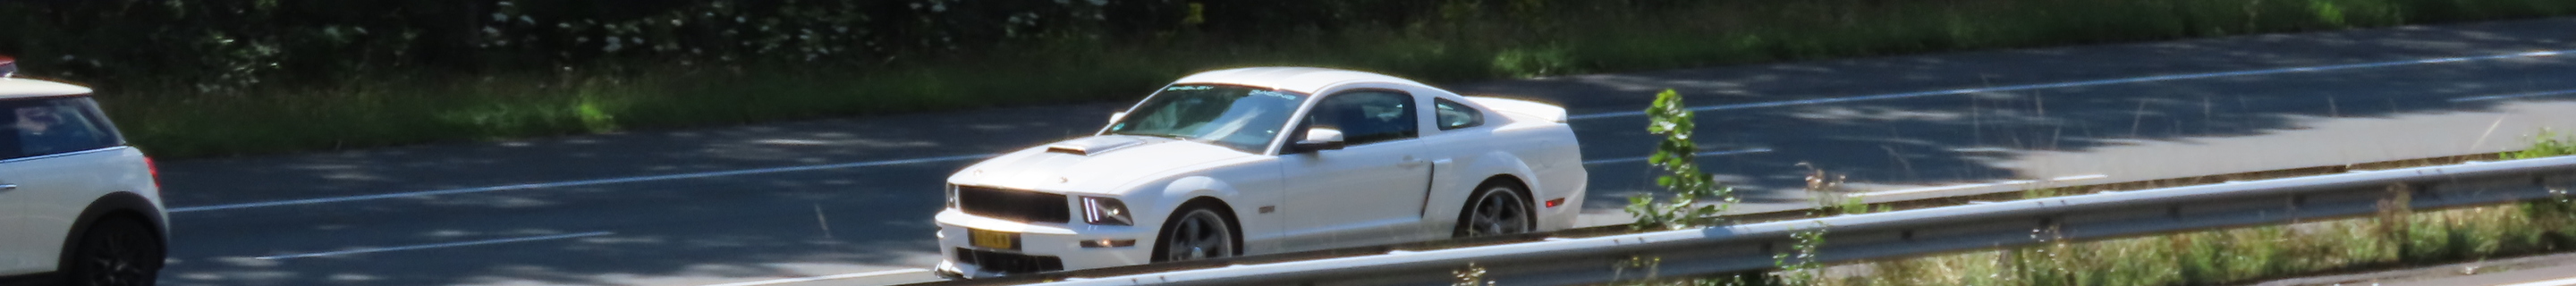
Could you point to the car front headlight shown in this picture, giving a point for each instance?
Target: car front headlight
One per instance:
(952, 196)
(1105, 211)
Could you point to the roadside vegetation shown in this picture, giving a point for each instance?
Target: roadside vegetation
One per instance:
(2395, 237)
(1696, 198)
(213, 78)
(2242, 255)
(2547, 144)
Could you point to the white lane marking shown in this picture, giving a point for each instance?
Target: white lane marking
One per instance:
(2559, 282)
(1981, 150)
(825, 277)
(2089, 83)
(1971, 186)
(1712, 153)
(428, 246)
(2514, 96)
(579, 183)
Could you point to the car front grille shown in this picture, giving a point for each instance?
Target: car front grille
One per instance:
(1014, 205)
(1008, 263)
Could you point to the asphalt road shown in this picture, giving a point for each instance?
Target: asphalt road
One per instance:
(800, 199)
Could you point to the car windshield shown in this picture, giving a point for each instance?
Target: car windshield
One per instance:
(1243, 118)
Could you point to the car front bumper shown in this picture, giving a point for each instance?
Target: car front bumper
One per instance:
(1041, 247)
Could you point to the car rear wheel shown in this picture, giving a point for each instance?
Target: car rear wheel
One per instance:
(1194, 234)
(1497, 210)
(114, 252)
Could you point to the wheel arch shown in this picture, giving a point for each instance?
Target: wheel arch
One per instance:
(113, 205)
(1504, 165)
(1508, 179)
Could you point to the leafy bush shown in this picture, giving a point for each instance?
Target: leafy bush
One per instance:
(1676, 154)
(2547, 144)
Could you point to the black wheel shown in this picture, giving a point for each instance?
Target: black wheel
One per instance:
(116, 251)
(1195, 233)
(1496, 209)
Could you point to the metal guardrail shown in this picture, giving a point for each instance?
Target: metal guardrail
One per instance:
(1561, 261)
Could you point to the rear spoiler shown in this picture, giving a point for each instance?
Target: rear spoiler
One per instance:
(1524, 108)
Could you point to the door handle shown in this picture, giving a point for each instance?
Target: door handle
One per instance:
(7, 187)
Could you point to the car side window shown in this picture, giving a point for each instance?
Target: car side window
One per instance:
(1367, 116)
(50, 126)
(1453, 115)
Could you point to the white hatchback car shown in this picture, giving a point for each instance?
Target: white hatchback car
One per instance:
(1266, 160)
(77, 206)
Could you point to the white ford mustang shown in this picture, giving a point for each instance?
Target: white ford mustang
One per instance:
(1266, 160)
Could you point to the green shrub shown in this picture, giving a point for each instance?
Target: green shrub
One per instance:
(1676, 154)
(2228, 256)
(2547, 144)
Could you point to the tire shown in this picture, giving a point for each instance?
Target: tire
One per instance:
(1197, 232)
(116, 251)
(1498, 208)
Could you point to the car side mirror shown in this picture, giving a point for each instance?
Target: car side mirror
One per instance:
(1115, 116)
(1319, 139)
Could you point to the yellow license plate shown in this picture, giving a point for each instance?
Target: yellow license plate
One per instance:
(993, 239)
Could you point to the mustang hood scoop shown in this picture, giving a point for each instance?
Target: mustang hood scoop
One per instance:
(1094, 145)
(1105, 159)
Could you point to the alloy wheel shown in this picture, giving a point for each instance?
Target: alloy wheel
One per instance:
(1499, 212)
(1200, 234)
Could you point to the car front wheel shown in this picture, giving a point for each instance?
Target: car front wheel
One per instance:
(116, 251)
(1197, 233)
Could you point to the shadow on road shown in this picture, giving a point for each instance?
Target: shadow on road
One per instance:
(665, 232)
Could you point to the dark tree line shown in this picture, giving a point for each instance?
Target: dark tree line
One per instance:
(235, 43)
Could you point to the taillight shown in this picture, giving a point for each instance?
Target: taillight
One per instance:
(154, 169)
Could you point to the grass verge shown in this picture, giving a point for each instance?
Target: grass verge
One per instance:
(2245, 254)
(2395, 237)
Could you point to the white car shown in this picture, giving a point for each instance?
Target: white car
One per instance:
(77, 206)
(1266, 160)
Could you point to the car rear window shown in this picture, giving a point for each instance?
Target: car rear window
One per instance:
(54, 125)
(1454, 115)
